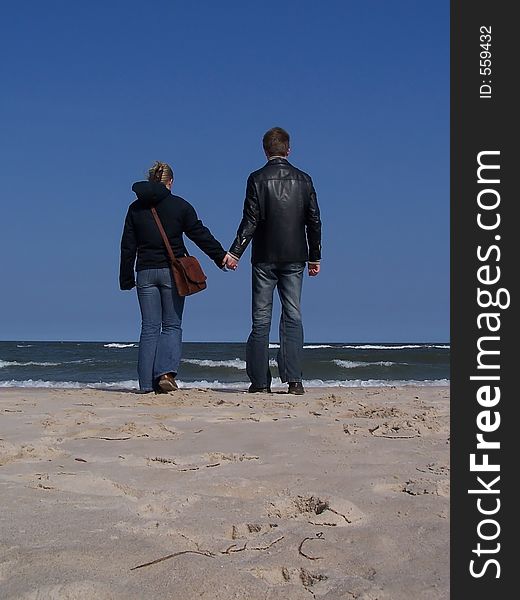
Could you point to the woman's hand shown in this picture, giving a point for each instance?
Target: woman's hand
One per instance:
(230, 262)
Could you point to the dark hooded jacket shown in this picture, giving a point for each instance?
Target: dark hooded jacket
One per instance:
(141, 236)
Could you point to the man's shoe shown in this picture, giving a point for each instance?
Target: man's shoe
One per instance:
(256, 390)
(167, 383)
(296, 387)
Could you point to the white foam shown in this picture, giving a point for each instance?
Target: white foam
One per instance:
(234, 363)
(377, 383)
(215, 384)
(307, 346)
(317, 383)
(80, 361)
(352, 364)
(316, 346)
(392, 347)
(24, 345)
(14, 363)
(116, 345)
(40, 383)
(241, 385)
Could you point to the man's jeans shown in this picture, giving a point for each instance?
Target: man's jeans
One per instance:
(288, 278)
(161, 334)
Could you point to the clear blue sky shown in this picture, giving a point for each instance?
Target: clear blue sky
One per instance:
(94, 92)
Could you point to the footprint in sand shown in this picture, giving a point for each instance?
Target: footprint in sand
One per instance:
(327, 582)
(397, 429)
(83, 483)
(73, 591)
(128, 431)
(419, 487)
(251, 530)
(396, 426)
(69, 418)
(416, 486)
(324, 511)
(43, 449)
(354, 588)
(289, 575)
(436, 469)
(197, 462)
(378, 412)
(162, 505)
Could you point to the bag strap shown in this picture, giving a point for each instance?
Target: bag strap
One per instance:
(163, 235)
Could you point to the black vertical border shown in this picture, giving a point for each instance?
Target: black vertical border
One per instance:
(481, 124)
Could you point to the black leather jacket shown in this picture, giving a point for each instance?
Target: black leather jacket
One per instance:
(281, 215)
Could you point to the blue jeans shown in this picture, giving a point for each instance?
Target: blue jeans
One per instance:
(161, 333)
(288, 278)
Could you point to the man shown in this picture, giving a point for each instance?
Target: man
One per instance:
(282, 217)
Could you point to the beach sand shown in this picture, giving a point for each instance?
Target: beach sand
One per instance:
(342, 493)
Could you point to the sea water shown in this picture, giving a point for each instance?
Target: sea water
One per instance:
(221, 365)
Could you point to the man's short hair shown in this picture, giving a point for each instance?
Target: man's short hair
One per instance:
(276, 142)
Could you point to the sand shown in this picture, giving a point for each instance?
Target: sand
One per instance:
(339, 494)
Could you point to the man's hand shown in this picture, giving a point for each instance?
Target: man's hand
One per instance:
(230, 262)
(314, 269)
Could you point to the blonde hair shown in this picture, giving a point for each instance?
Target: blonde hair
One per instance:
(161, 172)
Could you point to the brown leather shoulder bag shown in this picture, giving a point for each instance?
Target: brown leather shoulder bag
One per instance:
(187, 273)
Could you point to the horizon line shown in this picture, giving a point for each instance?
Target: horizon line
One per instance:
(111, 341)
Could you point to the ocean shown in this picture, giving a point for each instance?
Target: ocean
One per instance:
(220, 365)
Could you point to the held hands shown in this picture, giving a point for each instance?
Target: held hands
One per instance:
(230, 262)
(314, 269)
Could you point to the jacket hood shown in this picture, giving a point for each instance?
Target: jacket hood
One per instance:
(150, 193)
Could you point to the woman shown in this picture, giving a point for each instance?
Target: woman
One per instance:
(160, 304)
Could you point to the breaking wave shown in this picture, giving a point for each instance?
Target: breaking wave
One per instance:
(14, 363)
(216, 384)
(234, 363)
(391, 347)
(353, 364)
(116, 345)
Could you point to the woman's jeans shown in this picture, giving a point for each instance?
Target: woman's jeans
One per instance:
(288, 278)
(161, 333)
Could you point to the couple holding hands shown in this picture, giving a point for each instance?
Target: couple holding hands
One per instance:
(282, 218)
